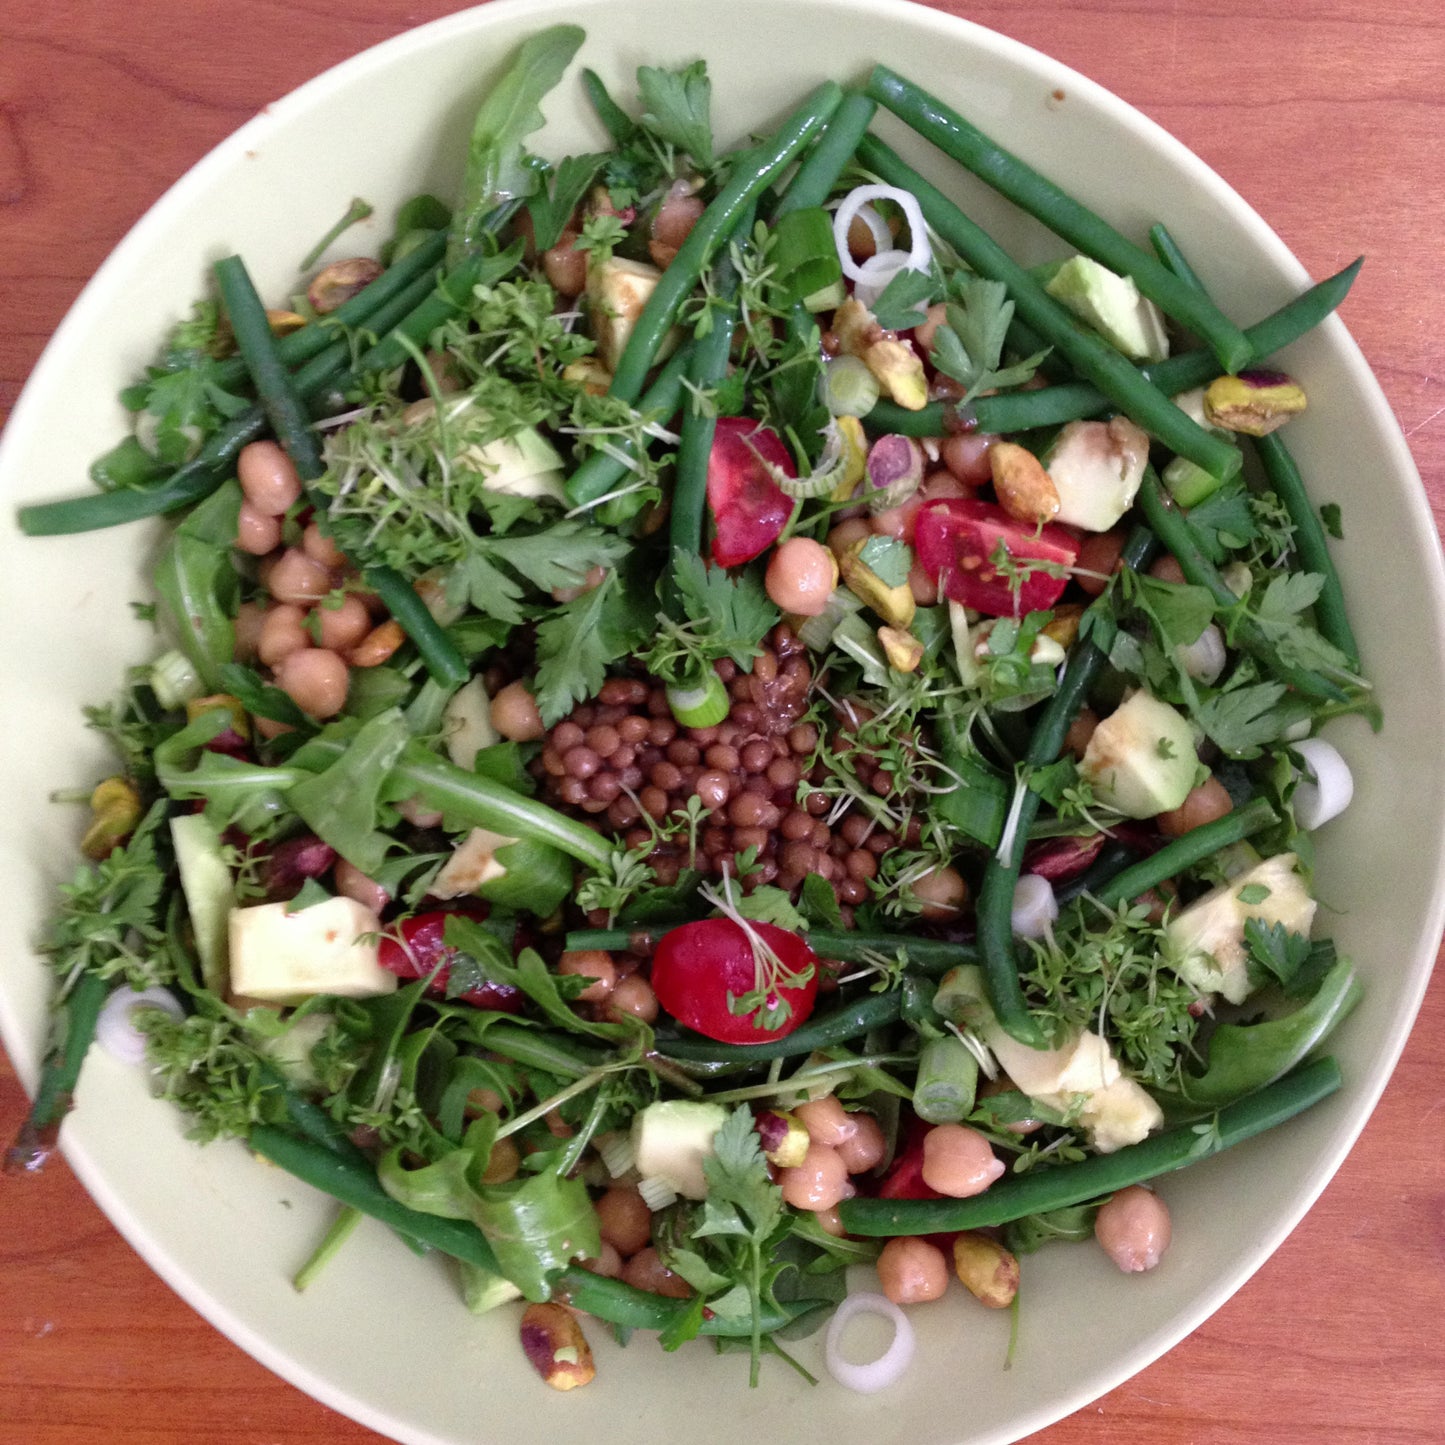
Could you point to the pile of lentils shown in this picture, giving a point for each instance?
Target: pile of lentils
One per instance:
(623, 755)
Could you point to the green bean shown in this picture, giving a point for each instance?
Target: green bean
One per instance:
(925, 955)
(1185, 851)
(1043, 1189)
(1310, 543)
(872, 1011)
(357, 1186)
(706, 368)
(438, 653)
(277, 389)
(58, 1073)
(1001, 874)
(821, 167)
(1015, 411)
(1172, 527)
(1041, 198)
(1166, 248)
(600, 473)
(750, 175)
(356, 312)
(947, 1082)
(1090, 355)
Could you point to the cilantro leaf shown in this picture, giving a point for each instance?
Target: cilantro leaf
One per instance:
(499, 570)
(818, 904)
(1278, 614)
(970, 346)
(557, 197)
(902, 302)
(678, 106)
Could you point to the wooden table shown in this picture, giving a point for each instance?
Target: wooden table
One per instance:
(1328, 116)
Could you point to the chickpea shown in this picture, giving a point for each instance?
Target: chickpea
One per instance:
(268, 729)
(315, 680)
(865, 1150)
(608, 1262)
(257, 532)
(590, 963)
(624, 1220)
(819, 1182)
(855, 529)
(645, 1270)
(942, 892)
(801, 576)
(250, 618)
(899, 521)
(283, 631)
(320, 548)
(351, 882)
(830, 1222)
(483, 1101)
(565, 267)
(1098, 554)
(1134, 1228)
(268, 478)
(966, 456)
(1207, 803)
(502, 1163)
(959, 1161)
(514, 714)
(923, 336)
(298, 578)
(827, 1121)
(923, 584)
(1167, 569)
(632, 997)
(911, 1270)
(343, 626)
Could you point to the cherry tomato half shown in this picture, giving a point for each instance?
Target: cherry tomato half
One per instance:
(696, 968)
(749, 509)
(421, 948)
(955, 539)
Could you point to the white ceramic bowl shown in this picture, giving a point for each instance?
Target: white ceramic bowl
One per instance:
(382, 1336)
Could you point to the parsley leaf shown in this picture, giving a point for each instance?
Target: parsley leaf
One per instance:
(901, 304)
(1223, 521)
(1333, 520)
(679, 108)
(499, 569)
(771, 905)
(726, 615)
(576, 643)
(970, 346)
(1277, 950)
(1244, 719)
(1278, 614)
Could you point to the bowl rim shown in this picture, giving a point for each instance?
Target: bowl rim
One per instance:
(383, 55)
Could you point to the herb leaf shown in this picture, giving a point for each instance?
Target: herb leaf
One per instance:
(901, 304)
(679, 108)
(970, 346)
(556, 198)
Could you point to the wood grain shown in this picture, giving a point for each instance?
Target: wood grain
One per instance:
(1327, 116)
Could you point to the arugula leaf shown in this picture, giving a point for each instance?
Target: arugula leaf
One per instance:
(497, 166)
(970, 346)
(678, 108)
(902, 303)
(341, 803)
(557, 197)
(537, 1226)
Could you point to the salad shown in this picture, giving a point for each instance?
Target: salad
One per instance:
(715, 728)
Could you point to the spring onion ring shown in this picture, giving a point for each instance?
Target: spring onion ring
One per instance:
(920, 253)
(888, 1368)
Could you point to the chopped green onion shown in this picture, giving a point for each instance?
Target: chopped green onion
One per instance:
(805, 256)
(702, 705)
(849, 388)
(174, 679)
(1188, 483)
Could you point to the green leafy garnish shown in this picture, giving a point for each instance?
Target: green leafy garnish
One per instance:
(970, 347)
(677, 108)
